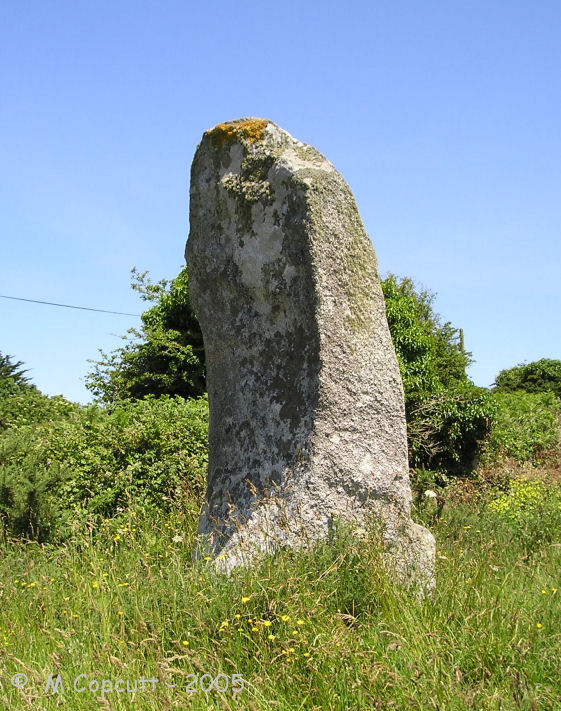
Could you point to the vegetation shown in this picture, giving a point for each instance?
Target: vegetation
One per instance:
(525, 428)
(321, 631)
(447, 416)
(164, 357)
(542, 376)
(10, 371)
(86, 463)
(98, 520)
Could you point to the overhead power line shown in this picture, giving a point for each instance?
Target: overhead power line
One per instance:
(67, 306)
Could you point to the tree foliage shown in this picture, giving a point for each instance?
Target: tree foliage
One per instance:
(541, 376)
(164, 357)
(12, 372)
(447, 416)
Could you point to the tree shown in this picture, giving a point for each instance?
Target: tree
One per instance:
(538, 377)
(164, 357)
(447, 416)
(11, 371)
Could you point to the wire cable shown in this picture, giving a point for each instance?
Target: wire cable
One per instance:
(67, 306)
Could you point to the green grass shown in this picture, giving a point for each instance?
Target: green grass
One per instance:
(327, 630)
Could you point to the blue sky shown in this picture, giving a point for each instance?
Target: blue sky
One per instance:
(442, 116)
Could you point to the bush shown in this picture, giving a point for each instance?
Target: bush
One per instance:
(538, 377)
(94, 463)
(447, 416)
(446, 431)
(525, 428)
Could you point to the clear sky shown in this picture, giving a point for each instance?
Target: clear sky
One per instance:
(443, 116)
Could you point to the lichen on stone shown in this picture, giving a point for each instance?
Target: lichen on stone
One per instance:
(250, 129)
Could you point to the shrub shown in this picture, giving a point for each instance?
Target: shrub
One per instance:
(447, 416)
(95, 462)
(538, 377)
(525, 428)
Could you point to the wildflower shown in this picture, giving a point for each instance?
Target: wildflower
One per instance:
(294, 631)
(271, 636)
(285, 618)
(240, 629)
(539, 625)
(225, 624)
(553, 590)
(185, 642)
(95, 584)
(254, 629)
(244, 600)
(267, 623)
(31, 585)
(544, 592)
(300, 622)
(237, 615)
(119, 612)
(466, 528)
(123, 585)
(291, 650)
(207, 557)
(468, 581)
(306, 654)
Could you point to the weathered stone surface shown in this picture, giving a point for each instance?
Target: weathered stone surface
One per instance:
(307, 418)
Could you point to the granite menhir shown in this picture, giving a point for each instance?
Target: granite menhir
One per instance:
(307, 419)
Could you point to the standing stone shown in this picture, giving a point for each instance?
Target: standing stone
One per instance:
(307, 419)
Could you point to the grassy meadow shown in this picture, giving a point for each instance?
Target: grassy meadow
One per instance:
(326, 630)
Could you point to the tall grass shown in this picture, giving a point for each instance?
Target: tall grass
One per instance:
(326, 630)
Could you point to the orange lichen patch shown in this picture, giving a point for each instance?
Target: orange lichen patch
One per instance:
(251, 129)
